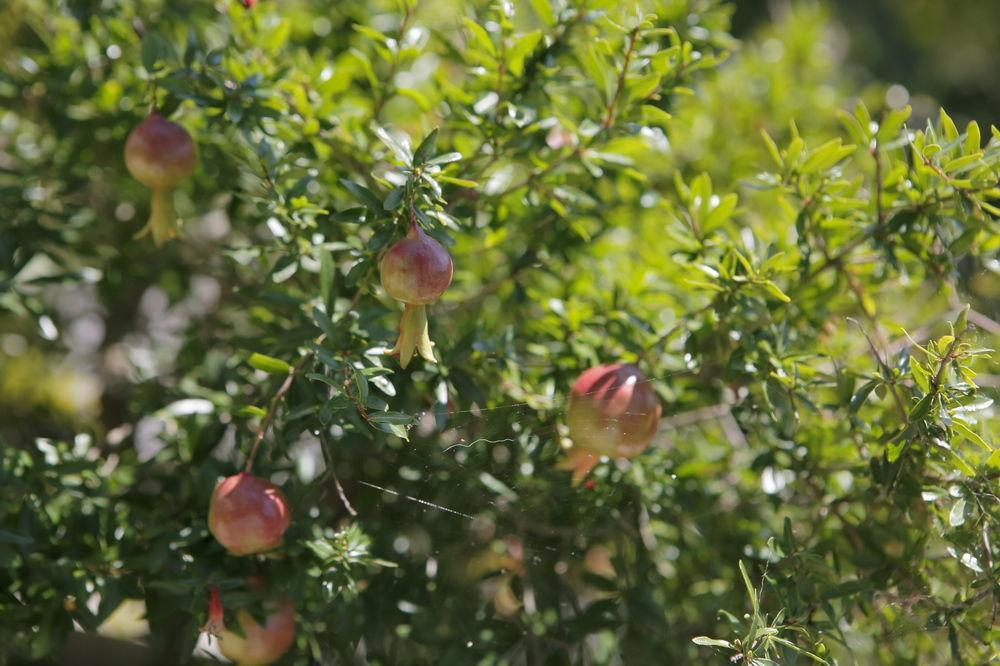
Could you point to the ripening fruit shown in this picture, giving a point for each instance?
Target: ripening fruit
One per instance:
(160, 154)
(612, 411)
(416, 270)
(258, 645)
(248, 514)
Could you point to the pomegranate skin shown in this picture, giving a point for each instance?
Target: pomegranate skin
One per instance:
(417, 269)
(612, 411)
(247, 514)
(254, 645)
(159, 153)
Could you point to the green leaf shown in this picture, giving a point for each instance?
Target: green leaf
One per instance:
(922, 408)
(947, 125)
(956, 518)
(399, 147)
(445, 158)
(426, 148)
(776, 291)
(543, 9)
(861, 396)
(252, 410)
(391, 417)
(720, 214)
(711, 642)
(327, 270)
(772, 149)
(959, 163)
(973, 139)
(920, 375)
(370, 33)
(479, 35)
(363, 195)
(420, 99)
(361, 384)
(155, 48)
(520, 50)
(826, 156)
(968, 433)
(654, 115)
(269, 364)
(460, 182)
(961, 464)
(751, 590)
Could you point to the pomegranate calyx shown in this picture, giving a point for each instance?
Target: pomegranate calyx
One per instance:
(215, 624)
(413, 336)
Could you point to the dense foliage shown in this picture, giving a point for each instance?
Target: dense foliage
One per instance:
(809, 280)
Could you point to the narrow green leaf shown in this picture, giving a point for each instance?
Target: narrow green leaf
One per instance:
(922, 408)
(268, 364)
(973, 139)
(948, 126)
(480, 36)
(252, 410)
(776, 292)
(968, 433)
(363, 195)
(458, 181)
(543, 9)
(426, 148)
(399, 147)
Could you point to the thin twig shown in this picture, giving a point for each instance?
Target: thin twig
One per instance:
(609, 115)
(385, 93)
(342, 494)
(272, 408)
(886, 370)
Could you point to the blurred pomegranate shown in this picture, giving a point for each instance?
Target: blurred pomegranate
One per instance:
(612, 411)
(254, 644)
(160, 154)
(248, 514)
(416, 270)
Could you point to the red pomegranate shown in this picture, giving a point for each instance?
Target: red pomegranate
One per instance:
(254, 645)
(612, 411)
(416, 270)
(160, 154)
(247, 514)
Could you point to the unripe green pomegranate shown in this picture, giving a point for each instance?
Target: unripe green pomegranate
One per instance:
(247, 514)
(160, 154)
(612, 411)
(416, 270)
(254, 644)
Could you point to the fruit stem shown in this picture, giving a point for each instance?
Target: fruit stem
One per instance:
(413, 336)
(162, 218)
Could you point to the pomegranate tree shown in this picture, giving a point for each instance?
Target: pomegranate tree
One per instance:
(612, 411)
(248, 514)
(254, 644)
(416, 270)
(160, 154)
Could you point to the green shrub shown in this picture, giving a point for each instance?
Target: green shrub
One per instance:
(790, 266)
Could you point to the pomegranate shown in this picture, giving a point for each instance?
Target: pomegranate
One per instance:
(416, 270)
(612, 411)
(247, 514)
(254, 645)
(160, 154)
